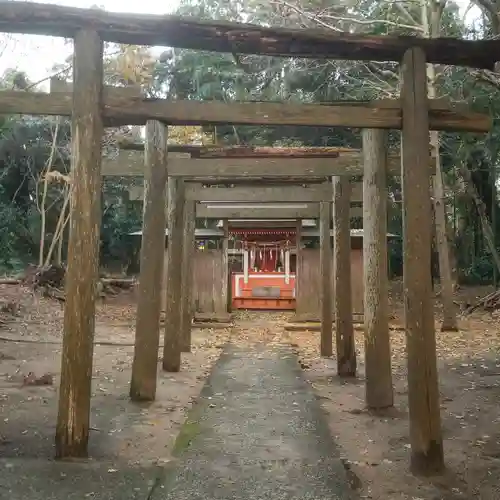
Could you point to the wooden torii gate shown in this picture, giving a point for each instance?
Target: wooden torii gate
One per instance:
(91, 109)
(213, 165)
(256, 161)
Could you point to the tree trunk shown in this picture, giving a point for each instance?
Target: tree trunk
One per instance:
(59, 232)
(481, 211)
(449, 323)
(46, 180)
(432, 28)
(72, 432)
(60, 241)
(147, 327)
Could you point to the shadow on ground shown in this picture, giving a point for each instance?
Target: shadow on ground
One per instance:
(46, 480)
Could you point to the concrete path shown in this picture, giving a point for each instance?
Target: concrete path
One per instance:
(22, 479)
(257, 433)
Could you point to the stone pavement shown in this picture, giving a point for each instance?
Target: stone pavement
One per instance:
(22, 479)
(257, 433)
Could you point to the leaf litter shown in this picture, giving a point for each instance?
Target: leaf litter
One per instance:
(31, 370)
(377, 446)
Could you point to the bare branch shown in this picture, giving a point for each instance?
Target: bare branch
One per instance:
(308, 16)
(322, 15)
(383, 22)
(488, 77)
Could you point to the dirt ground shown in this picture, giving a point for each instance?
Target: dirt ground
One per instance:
(121, 430)
(376, 448)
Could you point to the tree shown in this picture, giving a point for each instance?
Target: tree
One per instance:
(432, 14)
(34, 191)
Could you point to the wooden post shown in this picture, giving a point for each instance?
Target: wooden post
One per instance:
(245, 266)
(225, 266)
(147, 326)
(298, 252)
(379, 392)
(187, 274)
(346, 349)
(325, 263)
(173, 308)
(423, 391)
(287, 266)
(72, 432)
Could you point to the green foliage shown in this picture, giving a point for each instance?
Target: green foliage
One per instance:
(480, 272)
(24, 149)
(14, 249)
(25, 146)
(120, 217)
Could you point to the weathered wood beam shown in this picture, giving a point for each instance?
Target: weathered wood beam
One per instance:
(187, 280)
(378, 376)
(147, 327)
(298, 260)
(58, 86)
(349, 164)
(258, 193)
(223, 36)
(264, 211)
(172, 346)
(131, 163)
(61, 88)
(270, 211)
(250, 182)
(300, 194)
(345, 347)
(326, 288)
(72, 432)
(423, 389)
(268, 152)
(229, 181)
(129, 110)
(199, 151)
(226, 282)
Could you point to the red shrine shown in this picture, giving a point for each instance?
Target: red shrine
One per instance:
(263, 264)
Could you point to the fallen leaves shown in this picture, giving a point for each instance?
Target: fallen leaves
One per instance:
(468, 367)
(146, 431)
(131, 432)
(32, 379)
